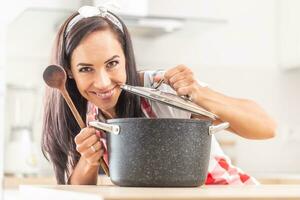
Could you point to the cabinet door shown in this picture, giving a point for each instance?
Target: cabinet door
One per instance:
(289, 33)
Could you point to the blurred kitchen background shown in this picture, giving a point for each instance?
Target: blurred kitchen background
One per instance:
(243, 48)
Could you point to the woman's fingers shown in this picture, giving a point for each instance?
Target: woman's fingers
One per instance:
(84, 134)
(186, 75)
(89, 146)
(180, 84)
(87, 143)
(94, 158)
(178, 73)
(182, 80)
(178, 69)
(92, 149)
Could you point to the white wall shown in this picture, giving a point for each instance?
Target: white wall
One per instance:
(289, 32)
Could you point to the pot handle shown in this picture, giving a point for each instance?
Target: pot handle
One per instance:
(217, 128)
(114, 129)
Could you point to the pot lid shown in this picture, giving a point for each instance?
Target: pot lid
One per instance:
(169, 99)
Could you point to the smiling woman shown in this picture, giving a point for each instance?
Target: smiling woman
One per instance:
(98, 56)
(96, 72)
(95, 49)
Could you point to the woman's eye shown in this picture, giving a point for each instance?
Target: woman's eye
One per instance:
(112, 64)
(85, 69)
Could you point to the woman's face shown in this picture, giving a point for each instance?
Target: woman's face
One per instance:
(98, 67)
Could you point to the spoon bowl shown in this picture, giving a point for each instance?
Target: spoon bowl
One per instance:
(55, 76)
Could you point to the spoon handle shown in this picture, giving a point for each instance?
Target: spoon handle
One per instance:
(73, 109)
(81, 124)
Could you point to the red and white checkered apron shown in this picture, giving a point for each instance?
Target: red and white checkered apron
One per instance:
(220, 170)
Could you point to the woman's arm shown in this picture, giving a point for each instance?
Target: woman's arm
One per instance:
(246, 118)
(84, 174)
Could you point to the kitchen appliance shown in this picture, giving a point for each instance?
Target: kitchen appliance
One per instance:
(21, 154)
(162, 152)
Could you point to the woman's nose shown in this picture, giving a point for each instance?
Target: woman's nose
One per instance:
(102, 80)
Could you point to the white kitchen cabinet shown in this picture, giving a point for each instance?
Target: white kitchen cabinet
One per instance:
(289, 34)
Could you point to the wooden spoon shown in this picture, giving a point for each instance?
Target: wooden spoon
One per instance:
(55, 76)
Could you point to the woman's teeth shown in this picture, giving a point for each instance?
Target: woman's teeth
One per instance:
(105, 94)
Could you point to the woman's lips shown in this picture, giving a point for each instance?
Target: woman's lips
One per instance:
(105, 95)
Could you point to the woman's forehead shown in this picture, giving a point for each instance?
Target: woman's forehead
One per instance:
(97, 46)
(100, 39)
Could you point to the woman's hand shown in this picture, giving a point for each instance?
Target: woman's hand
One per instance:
(181, 79)
(91, 150)
(89, 146)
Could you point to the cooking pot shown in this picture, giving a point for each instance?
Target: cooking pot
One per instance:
(164, 152)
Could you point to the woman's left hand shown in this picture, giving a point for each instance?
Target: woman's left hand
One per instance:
(182, 80)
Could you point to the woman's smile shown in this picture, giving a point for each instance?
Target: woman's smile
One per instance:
(105, 95)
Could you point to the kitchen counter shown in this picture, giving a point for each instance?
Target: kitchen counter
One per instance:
(110, 192)
(14, 182)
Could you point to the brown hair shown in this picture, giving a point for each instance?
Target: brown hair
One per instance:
(59, 125)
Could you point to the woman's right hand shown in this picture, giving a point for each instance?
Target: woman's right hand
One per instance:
(89, 146)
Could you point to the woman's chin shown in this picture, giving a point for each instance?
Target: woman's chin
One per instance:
(107, 103)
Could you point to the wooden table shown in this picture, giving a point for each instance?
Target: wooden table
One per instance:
(110, 192)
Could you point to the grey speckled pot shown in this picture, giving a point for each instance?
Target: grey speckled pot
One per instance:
(159, 152)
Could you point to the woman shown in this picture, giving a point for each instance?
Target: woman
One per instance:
(95, 49)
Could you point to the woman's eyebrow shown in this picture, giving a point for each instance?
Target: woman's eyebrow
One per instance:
(88, 64)
(115, 56)
(84, 64)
